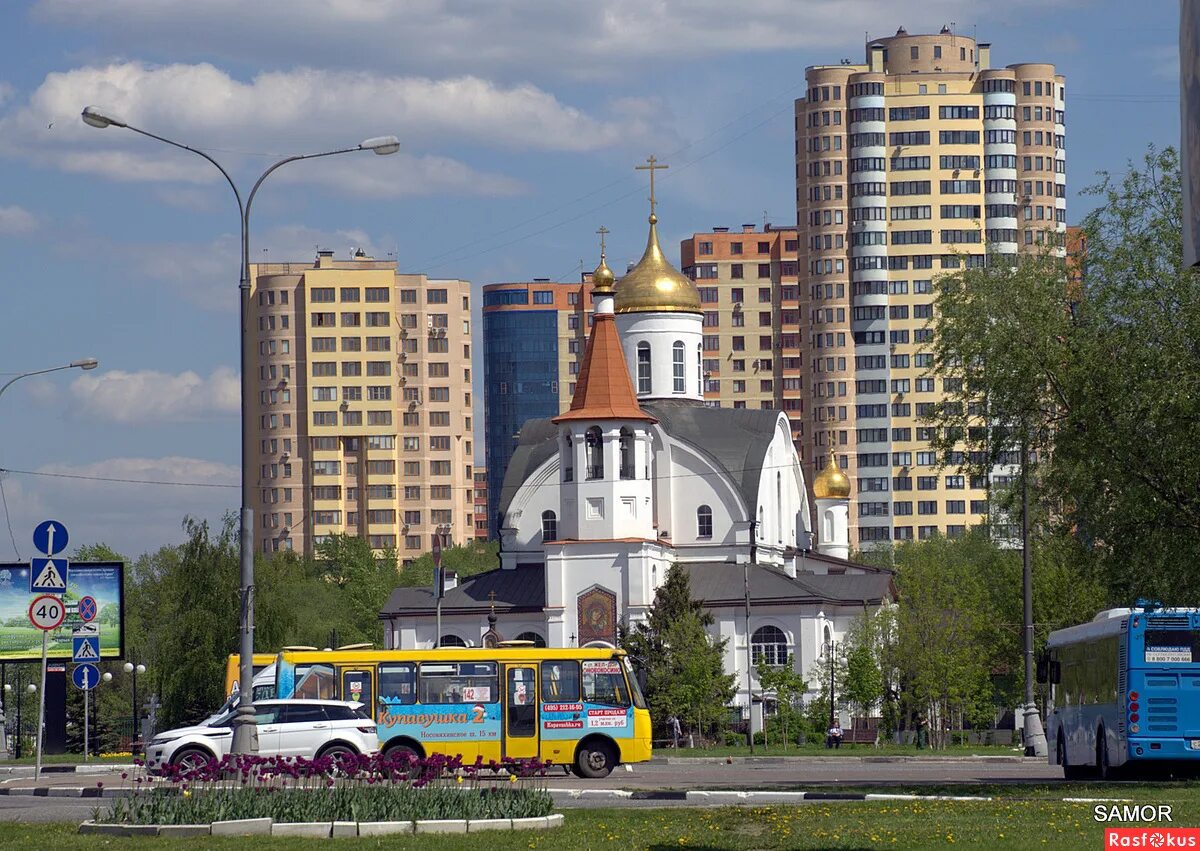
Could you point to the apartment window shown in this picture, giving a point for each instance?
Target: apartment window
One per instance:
(378, 320)
(321, 294)
(437, 296)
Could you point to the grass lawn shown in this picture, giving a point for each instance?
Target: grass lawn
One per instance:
(1016, 822)
(844, 750)
(67, 759)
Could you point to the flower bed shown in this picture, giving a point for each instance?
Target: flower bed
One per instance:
(373, 788)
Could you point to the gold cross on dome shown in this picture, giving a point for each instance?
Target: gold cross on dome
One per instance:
(603, 232)
(652, 167)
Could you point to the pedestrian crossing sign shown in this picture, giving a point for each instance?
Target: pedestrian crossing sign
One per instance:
(48, 576)
(85, 649)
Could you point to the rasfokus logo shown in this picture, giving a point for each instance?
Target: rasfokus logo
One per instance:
(1152, 837)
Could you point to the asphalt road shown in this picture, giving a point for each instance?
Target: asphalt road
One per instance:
(678, 774)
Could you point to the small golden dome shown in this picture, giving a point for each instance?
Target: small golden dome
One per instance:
(603, 278)
(831, 483)
(654, 285)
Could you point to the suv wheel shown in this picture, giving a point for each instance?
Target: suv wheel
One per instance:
(190, 759)
(338, 755)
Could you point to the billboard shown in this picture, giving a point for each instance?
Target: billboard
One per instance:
(20, 641)
(1189, 120)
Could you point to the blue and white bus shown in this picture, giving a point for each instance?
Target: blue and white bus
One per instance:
(1125, 691)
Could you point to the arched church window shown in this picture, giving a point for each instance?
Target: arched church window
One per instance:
(678, 368)
(450, 640)
(704, 522)
(626, 446)
(537, 640)
(769, 646)
(643, 368)
(594, 444)
(699, 373)
(569, 460)
(549, 526)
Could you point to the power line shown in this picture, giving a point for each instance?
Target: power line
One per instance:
(8, 519)
(112, 479)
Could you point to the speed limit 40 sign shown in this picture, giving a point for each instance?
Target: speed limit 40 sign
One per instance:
(47, 612)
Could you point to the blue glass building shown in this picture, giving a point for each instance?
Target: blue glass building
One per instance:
(521, 362)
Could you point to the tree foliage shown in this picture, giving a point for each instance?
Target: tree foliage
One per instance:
(1102, 383)
(684, 665)
(787, 684)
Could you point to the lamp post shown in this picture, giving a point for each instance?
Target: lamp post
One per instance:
(133, 670)
(245, 733)
(31, 688)
(83, 363)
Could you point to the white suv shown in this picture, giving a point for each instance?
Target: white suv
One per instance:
(295, 728)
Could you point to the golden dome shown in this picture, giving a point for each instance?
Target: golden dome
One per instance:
(654, 285)
(831, 483)
(603, 278)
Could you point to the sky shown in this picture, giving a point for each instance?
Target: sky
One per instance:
(520, 124)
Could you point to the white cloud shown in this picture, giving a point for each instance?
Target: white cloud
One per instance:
(16, 220)
(304, 109)
(148, 397)
(130, 516)
(538, 39)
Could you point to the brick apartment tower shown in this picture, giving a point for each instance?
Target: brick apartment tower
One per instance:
(750, 296)
(920, 159)
(363, 416)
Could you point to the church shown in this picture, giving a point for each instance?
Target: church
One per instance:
(639, 474)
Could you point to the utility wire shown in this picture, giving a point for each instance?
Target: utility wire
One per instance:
(120, 481)
(7, 518)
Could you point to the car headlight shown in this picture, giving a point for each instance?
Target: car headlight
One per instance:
(162, 740)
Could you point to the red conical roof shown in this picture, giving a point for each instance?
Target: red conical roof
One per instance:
(604, 390)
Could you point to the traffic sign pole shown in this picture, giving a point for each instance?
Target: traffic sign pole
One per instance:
(87, 699)
(37, 766)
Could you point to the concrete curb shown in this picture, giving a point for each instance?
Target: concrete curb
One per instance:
(849, 760)
(82, 768)
(323, 829)
(738, 796)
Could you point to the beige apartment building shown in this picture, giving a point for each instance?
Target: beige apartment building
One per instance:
(363, 416)
(919, 160)
(749, 292)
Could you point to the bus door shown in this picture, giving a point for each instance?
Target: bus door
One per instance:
(357, 685)
(520, 712)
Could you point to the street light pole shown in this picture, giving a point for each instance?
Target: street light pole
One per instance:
(1035, 734)
(245, 733)
(133, 670)
(84, 363)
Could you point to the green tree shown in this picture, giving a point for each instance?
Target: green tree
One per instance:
(466, 559)
(949, 639)
(787, 684)
(684, 665)
(864, 680)
(1103, 384)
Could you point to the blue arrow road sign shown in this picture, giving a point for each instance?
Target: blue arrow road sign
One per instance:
(85, 649)
(50, 537)
(48, 575)
(85, 676)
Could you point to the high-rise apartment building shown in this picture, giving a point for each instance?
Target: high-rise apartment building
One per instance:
(533, 338)
(917, 161)
(363, 416)
(749, 292)
(481, 503)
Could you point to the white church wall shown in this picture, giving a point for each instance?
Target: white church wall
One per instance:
(661, 331)
(541, 492)
(693, 482)
(782, 496)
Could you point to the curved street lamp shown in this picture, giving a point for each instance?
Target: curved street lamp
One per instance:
(245, 734)
(84, 363)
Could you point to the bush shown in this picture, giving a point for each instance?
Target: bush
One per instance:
(354, 788)
(733, 739)
(760, 738)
